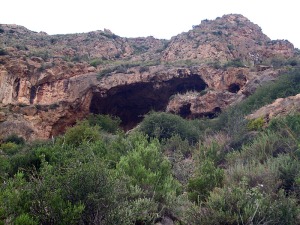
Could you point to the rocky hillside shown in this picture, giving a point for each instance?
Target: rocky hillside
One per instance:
(47, 82)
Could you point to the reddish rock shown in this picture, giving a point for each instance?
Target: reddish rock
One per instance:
(50, 81)
(280, 107)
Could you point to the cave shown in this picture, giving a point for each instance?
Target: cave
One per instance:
(213, 114)
(16, 86)
(234, 88)
(185, 110)
(131, 102)
(32, 94)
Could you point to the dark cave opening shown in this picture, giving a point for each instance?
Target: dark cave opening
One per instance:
(215, 113)
(32, 94)
(132, 102)
(234, 88)
(16, 87)
(185, 110)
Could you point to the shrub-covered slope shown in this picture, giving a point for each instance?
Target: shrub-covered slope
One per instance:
(227, 170)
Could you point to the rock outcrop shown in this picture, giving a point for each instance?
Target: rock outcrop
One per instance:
(49, 82)
(280, 107)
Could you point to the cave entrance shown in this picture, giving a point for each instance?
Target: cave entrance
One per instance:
(185, 110)
(234, 88)
(131, 102)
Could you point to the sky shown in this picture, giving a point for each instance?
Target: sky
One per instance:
(140, 18)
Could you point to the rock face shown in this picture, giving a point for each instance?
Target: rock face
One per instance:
(227, 38)
(49, 82)
(280, 107)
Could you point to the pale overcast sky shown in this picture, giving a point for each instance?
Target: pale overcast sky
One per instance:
(160, 18)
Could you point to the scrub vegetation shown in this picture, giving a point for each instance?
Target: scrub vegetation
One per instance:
(225, 170)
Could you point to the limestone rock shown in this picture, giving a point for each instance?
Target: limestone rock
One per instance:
(47, 82)
(280, 107)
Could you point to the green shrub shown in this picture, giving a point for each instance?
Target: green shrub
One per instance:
(243, 205)
(48, 202)
(179, 152)
(264, 175)
(177, 145)
(91, 185)
(9, 148)
(13, 138)
(278, 62)
(289, 124)
(4, 167)
(105, 122)
(110, 35)
(287, 85)
(264, 146)
(234, 63)
(13, 201)
(164, 125)
(256, 124)
(207, 178)
(25, 219)
(81, 133)
(233, 122)
(147, 169)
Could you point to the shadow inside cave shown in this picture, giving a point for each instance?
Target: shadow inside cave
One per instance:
(131, 102)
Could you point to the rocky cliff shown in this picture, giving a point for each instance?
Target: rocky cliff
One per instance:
(47, 82)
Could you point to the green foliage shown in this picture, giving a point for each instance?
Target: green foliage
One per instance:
(256, 124)
(13, 197)
(9, 148)
(81, 133)
(90, 186)
(97, 62)
(264, 175)
(234, 63)
(13, 138)
(243, 205)
(209, 176)
(105, 122)
(45, 55)
(265, 145)
(110, 35)
(286, 85)
(123, 66)
(163, 126)
(88, 176)
(149, 170)
(178, 152)
(279, 62)
(140, 49)
(289, 124)
(25, 219)
(48, 201)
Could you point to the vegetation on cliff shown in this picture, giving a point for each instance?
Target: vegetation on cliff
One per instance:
(225, 170)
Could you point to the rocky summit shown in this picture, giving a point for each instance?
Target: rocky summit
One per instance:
(48, 82)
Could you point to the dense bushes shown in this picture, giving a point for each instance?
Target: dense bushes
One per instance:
(286, 85)
(163, 126)
(187, 171)
(106, 122)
